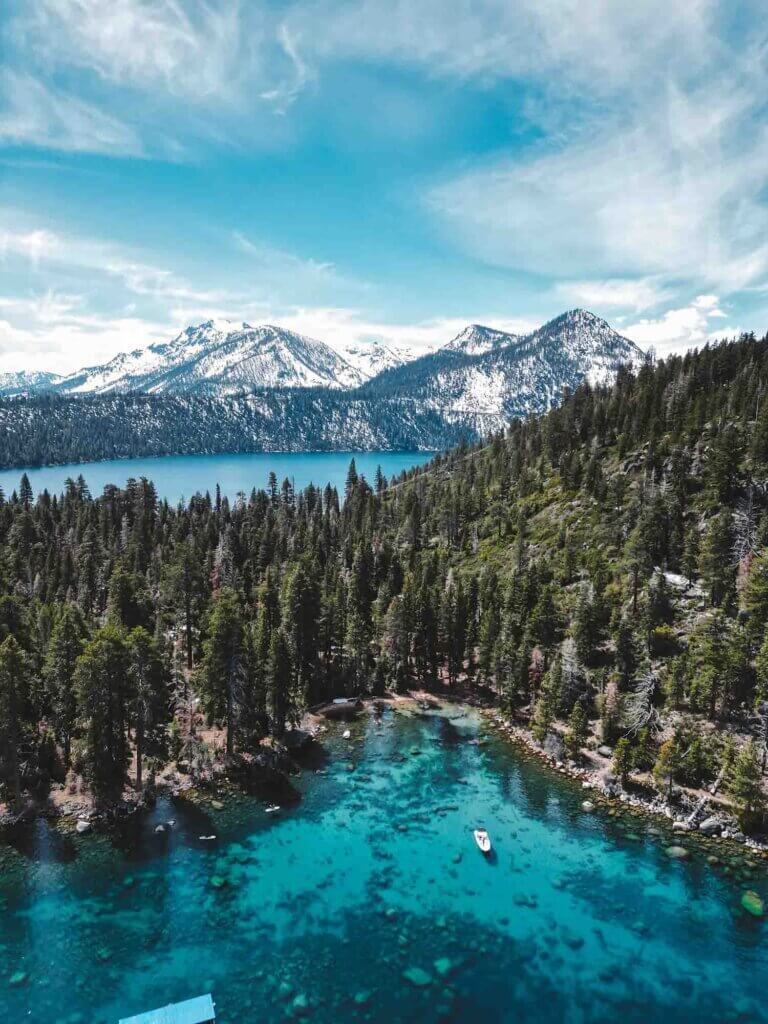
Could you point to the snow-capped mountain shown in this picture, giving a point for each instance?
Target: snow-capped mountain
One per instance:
(476, 339)
(26, 382)
(475, 383)
(372, 358)
(221, 358)
(528, 375)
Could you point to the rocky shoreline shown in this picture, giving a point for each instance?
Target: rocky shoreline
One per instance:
(265, 772)
(604, 788)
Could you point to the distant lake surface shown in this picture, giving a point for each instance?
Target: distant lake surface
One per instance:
(181, 476)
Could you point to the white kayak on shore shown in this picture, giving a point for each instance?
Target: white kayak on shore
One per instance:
(483, 840)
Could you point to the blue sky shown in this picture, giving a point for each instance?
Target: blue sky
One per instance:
(379, 169)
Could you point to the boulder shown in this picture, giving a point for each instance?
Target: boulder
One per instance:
(710, 826)
(587, 806)
(417, 977)
(444, 966)
(605, 751)
(301, 1004)
(681, 826)
(297, 739)
(82, 826)
(677, 852)
(752, 903)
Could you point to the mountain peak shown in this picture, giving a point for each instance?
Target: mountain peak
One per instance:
(477, 339)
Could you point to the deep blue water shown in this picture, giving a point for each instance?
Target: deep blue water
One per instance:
(181, 476)
(325, 906)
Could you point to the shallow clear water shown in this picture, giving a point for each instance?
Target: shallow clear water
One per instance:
(181, 476)
(576, 918)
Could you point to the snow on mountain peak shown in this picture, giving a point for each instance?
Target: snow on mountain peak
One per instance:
(476, 339)
(507, 373)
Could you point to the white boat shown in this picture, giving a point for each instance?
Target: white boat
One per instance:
(272, 808)
(483, 840)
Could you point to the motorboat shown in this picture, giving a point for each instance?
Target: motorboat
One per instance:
(483, 840)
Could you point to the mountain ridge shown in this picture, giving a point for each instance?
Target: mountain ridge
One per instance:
(313, 398)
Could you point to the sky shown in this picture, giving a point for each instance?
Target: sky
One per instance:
(378, 169)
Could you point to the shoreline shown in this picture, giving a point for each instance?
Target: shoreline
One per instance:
(600, 794)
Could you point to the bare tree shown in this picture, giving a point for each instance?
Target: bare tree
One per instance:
(640, 711)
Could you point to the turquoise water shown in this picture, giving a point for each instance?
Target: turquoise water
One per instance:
(181, 476)
(372, 874)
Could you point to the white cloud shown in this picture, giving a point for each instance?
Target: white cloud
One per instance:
(44, 247)
(33, 113)
(71, 341)
(192, 50)
(267, 256)
(677, 193)
(352, 326)
(565, 44)
(613, 293)
(680, 329)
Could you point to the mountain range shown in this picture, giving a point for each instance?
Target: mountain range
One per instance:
(279, 390)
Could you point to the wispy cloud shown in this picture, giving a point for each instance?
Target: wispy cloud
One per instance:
(615, 293)
(268, 256)
(358, 327)
(194, 50)
(34, 114)
(595, 45)
(678, 193)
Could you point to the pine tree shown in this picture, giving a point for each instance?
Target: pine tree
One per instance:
(64, 649)
(746, 787)
(690, 561)
(280, 682)
(622, 760)
(102, 683)
(666, 766)
(14, 694)
(716, 560)
(221, 668)
(149, 704)
(578, 730)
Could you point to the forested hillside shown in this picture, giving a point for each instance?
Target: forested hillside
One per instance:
(603, 566)
(50, 429)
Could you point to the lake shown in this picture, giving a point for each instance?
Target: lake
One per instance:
(181, 476)
(368, 901)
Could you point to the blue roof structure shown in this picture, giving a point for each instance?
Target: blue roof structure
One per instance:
(192, 1011)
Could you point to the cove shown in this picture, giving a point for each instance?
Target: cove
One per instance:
(181, 476)
(368, 901)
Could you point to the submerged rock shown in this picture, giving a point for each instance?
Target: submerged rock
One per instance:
(752, 903)
(17, 979)
(417, 977)
(677, 852)
(444, 966)
(588, 806)
(301, 1004)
